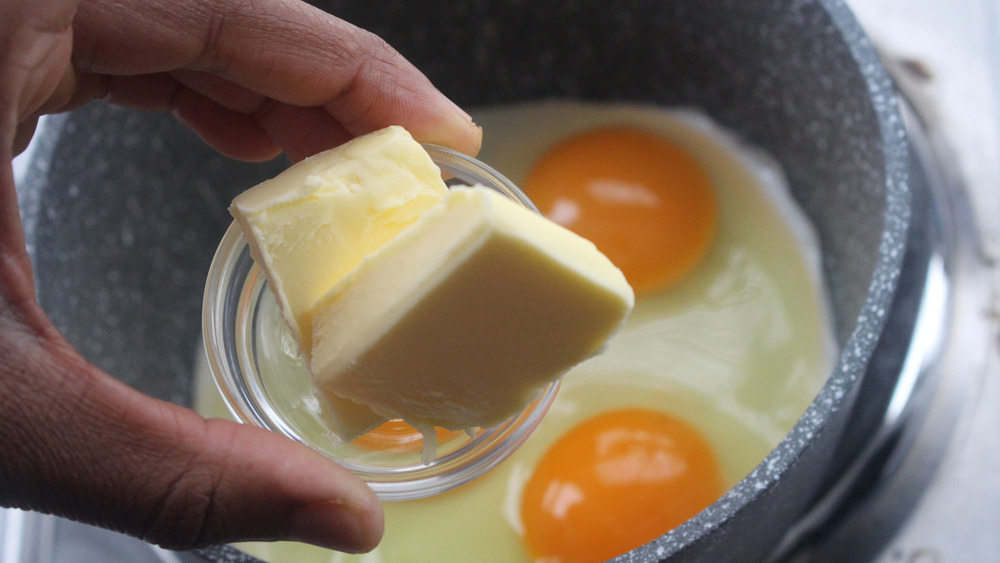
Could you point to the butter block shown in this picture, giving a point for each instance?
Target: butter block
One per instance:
(315, 222)
(347, 419)
(461, 320)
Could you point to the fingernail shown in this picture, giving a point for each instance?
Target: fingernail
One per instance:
(473, 136)
(335, 525)
(458, 108)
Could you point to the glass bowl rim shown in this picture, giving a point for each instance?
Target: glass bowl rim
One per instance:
(228, 298)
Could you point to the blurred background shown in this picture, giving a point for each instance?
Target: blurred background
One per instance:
(954, 49)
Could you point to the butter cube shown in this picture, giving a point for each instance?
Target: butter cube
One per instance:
(315, 222)
(441, 308)
(347, 419)
(463, 318)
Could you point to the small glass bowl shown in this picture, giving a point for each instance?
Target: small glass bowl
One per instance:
(255, 363)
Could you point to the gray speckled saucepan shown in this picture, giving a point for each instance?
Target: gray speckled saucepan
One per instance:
(124, 210)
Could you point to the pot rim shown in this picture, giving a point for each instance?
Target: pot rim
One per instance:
(839, 390)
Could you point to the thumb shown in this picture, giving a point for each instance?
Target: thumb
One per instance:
(80, 444)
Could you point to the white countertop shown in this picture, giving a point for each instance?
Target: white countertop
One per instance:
(958, 42)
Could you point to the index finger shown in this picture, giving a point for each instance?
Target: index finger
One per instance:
(286, 50)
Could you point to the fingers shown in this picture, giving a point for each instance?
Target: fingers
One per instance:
(18, 306)
(35, 46)
(78, 443)
(230, 132)
(23, 134)
(302, 131)
(284, 50)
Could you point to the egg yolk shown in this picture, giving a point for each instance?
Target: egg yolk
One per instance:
(398, 436)
(615, 482)
(646, 203)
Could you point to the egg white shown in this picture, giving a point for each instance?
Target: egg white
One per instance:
(738, 348)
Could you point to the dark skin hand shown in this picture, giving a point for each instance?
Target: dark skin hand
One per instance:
(253, 78)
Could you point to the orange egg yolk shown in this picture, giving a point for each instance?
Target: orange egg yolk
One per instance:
(646, 203)
(398, 436)
(615, 482)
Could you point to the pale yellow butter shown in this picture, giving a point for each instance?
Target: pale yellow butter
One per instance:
(463, 318)
(347, 419)
(315, 222)
(441, 308)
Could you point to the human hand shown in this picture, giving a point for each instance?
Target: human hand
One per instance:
(252, 78)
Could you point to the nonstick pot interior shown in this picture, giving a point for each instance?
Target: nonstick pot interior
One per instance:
(123, 210)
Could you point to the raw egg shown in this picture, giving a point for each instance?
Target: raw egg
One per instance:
(643, 201)
(716, 363)
(396, 435)
(615, 482)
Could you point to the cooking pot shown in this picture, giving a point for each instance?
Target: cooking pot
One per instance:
(123, 210)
